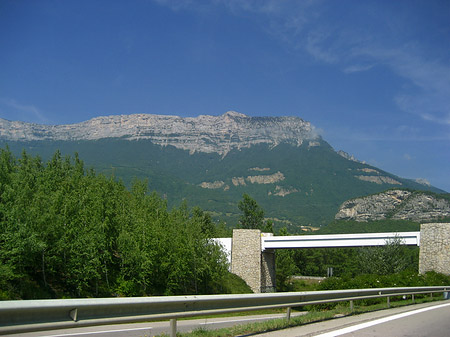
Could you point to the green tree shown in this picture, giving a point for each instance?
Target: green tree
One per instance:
(66, 231)
(285, 265)
(252, 216)
(384, 260)
(204, 219)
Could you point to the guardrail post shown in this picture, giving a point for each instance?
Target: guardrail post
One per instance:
(351, 305)
(173, 327)
(288, 314)
(446, 295)
(413, 299)
(388, 302)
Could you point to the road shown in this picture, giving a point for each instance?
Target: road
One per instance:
(152, 328)
(428, 319)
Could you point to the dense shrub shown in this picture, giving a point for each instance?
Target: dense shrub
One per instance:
(68, 232)
(407, 278)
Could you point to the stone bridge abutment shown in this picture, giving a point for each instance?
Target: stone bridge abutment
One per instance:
(434, 248)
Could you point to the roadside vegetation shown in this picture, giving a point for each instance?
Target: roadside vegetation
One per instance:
(66, 231)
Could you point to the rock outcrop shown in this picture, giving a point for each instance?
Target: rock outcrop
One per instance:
(395, 204)
(379, 180)
(282, 191)
(266, 179)
(241, 181)
(349, 156)
(209, 134)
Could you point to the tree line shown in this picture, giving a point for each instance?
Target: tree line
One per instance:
(66, 231)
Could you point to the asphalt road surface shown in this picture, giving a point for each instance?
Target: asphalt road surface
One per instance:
(427, 319)
(431, 321)
(152, 328)
(421, 320)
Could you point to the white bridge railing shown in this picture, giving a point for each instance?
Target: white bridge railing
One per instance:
(269, 241)
(339, 240)
(38, 315)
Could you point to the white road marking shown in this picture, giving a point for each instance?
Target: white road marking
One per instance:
(97, 332)
(379, 321)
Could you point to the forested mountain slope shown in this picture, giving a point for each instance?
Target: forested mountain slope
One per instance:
(295, 185)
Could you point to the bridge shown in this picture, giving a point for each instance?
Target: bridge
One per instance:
(337, 240)
(252, 253)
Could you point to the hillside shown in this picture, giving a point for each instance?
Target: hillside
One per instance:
(396, 205)
(295, 175)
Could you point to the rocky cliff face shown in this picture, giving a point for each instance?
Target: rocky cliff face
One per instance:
(200, 134)
(395, 204)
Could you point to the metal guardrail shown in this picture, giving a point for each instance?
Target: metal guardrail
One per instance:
(38, 315)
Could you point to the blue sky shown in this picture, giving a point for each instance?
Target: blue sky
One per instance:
(372, 76)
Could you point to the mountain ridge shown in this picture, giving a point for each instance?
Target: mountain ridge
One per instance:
(204, 133)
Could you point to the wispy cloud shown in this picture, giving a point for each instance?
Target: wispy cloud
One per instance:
(398, 134)
(21, 111)
(355, 50)
(177, 4)
(356, 68)
(313, 45)
(407, 156)
(429, 97)
(358, 51)
(313, 28)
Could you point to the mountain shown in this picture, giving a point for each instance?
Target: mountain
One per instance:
(210, 161)
(208, 134)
